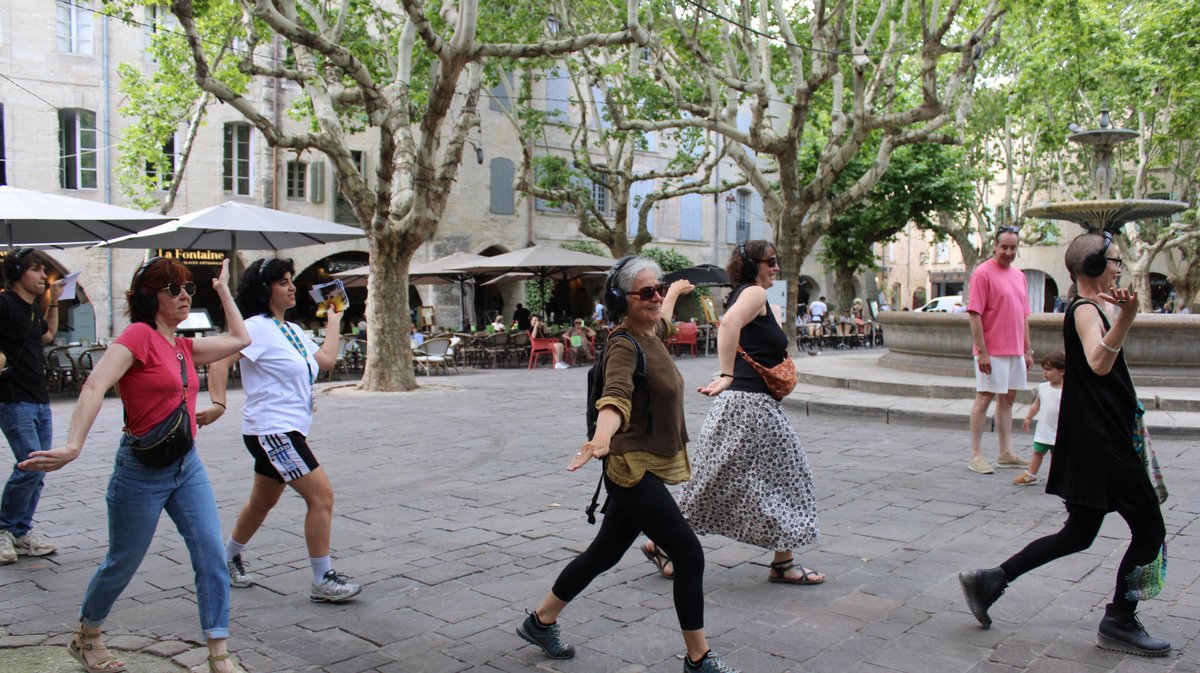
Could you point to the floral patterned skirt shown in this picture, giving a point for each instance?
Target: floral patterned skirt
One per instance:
(750, 477)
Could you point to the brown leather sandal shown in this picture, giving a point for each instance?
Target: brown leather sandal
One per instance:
(79, 646)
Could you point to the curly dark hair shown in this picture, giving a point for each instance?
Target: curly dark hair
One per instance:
(251, 299)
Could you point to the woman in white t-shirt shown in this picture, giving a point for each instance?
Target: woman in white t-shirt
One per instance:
(278, 370)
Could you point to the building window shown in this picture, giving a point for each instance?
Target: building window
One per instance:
(600, 200)
(297, 178)
(77, 149)
(343, 213)
(942, 253)
(168, 173)
(158, 20)
(236, 169)
(743, 216)
(502, 201)
(73, 27)
(316, 185)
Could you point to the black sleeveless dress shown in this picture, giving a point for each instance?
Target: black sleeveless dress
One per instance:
(1094, 463)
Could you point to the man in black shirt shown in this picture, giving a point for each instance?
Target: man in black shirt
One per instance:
(24, 400)
(521, 316)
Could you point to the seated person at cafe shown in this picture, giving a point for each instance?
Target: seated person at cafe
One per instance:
(498, 324)
(537, 330)
(415, 336)
(578, 342)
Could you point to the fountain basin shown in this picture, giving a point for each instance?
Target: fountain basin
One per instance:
(1161, 349)
(1107, 214)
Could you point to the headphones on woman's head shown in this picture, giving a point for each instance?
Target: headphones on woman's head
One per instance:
(13, 268)
(144, 303)
(615, 301)
(1095, 263)
(749, 264)
(262, 291)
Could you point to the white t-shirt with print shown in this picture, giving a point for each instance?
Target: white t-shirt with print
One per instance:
(277, 379)
(1047, 417)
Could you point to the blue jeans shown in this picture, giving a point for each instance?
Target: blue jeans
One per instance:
(27, 427)
(137, 495)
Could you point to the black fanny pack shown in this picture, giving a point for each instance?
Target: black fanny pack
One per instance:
(171, 438)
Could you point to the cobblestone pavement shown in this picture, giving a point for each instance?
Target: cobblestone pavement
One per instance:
(455, 512)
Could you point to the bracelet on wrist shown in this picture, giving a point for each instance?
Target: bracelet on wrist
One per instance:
(1108, 348)
(726, 376)
(220, 404)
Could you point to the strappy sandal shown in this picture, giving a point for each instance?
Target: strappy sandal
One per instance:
(658, 558)
(78, 647)
(214, 659)
(779, 570)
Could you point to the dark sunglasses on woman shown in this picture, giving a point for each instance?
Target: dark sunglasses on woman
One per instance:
(647, 293)
(174, 289)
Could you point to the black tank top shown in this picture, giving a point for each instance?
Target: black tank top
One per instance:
(765, 341)
(1094, 462)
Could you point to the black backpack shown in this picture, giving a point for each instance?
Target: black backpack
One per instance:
(595, 390)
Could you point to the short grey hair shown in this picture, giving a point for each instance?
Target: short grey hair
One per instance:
(624, 279)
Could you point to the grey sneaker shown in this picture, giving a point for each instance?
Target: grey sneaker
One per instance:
(8, 553)
(333, 588)
(711, 663)
(546, 638)
(238, 577)
(32, 544)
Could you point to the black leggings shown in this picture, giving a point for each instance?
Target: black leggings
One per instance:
(646, 507)
(1077, 534)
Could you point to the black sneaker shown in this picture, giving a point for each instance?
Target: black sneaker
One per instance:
(982, 588)
(711, 663)
(546, 638)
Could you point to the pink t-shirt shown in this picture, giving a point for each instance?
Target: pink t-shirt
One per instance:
(150, 389)
(999, 297)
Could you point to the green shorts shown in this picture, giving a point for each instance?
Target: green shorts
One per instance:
(1039, 447)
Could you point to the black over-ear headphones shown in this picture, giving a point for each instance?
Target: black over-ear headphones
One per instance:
(749, 265)
(13, 266)
(1095, 263)
(143, 303)
(614, 297)
(262, 291)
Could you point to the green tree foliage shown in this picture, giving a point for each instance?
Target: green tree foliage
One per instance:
(921, 182)
(669, 260)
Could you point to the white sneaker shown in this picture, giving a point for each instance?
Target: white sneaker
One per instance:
(562, 365)
(238, 577)
(32, 544)
(333, 588)
(8, 553)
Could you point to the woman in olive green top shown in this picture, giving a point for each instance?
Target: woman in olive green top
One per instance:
(641, 431)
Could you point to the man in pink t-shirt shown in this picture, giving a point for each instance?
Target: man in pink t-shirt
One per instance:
(998, 311)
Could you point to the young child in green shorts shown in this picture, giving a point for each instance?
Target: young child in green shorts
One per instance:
(1045, 410)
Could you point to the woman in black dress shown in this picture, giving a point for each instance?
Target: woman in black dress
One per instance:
(1096, 467)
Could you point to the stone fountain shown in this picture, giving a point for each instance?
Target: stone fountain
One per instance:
(1104, 213)
(1161, 350)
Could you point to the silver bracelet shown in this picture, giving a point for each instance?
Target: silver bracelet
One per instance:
(1108, 348)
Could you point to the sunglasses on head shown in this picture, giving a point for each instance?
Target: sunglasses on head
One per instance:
(1008, 230)
(647, 293)
(174, 289)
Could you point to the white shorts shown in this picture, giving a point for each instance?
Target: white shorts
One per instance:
(1008, 373)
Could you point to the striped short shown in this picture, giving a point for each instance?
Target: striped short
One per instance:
(281, 457)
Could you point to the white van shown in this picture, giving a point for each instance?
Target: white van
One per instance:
(942, 304)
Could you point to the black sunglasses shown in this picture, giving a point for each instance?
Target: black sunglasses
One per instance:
(1008, 230)
(647, 293)
(1116, 260)
(174, 289)
(772, 261)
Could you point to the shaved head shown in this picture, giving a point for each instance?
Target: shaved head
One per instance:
(1080, 248)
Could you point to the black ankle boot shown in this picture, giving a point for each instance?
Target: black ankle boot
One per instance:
(1121, 631)
(982, 588)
